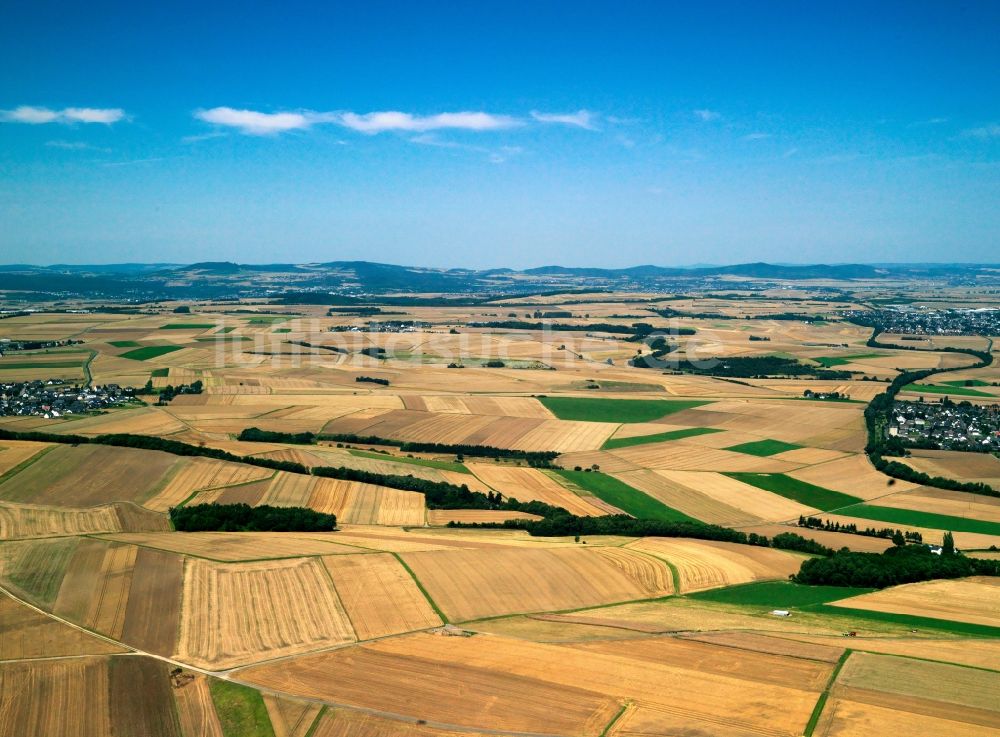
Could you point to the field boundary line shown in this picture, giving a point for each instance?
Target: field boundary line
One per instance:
(615, 719)
(817, 711)
(430, 599)
(316, 720)
(343, 607)
(11, 472)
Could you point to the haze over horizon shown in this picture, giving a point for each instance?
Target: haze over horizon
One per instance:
(514, 135)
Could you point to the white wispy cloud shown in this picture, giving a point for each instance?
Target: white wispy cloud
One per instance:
(70, 145)
(393, 120)
(756, 136)
(255, 123)
(40, 115)
(990, 130)
(706, 115)
(580, 119)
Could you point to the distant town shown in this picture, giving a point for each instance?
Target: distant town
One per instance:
(911, 320)
(53, 398)
(946, 425)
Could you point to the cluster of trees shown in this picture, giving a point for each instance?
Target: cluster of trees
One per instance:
(899, 537)
(256, 435)
(372, 380)
(659, 347)
(494, 363)
(670, 312)
(537, 458)
(373, 351)
(244, 518)
(759, 339)
(749, 367)
(898, 565)
(167, 393)
(307, 344)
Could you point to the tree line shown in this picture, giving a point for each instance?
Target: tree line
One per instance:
(897, 565)
(244, 518)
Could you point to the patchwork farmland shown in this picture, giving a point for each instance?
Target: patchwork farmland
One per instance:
(454, 597)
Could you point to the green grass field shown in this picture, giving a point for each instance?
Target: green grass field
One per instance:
(967, 382)
(960, 391)
(908, 620)
(615, 410)
(920, 519)
(187, 326)
(799, 491)
(241, 710)
(124, 343)
(160, 372)
(626, 498)
(223, 331)
(763, 447)
(831, 361)
(659, 437)
(14, 365)
(267, 319)
(282, 330)
(778, 594)
(426, 462)
(150, 351)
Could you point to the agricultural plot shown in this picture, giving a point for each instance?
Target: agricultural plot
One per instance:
(379, 595)
(615, 410)
(533, 485)
(28, 635)
(508, 683)
(973, 600)
(239, 546)
(150, 351)
(705, 564)
(29, 520)
(802, 492)
(853, 475)
(619, 494)
(474, 583)
(981, 467)
(236, 613)
(78, 476)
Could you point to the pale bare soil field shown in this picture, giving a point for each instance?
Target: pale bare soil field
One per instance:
(31, 520)
(974, 600)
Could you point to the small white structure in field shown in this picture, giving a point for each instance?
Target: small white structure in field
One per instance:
(781, 613)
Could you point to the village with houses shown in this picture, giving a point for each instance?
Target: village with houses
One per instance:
(53, 398)
(947, 425)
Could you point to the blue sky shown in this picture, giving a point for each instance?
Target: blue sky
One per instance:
(500, 134)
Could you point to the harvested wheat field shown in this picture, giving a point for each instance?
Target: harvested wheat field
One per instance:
(367, 504)
(975, 600)
(853, 475)
(706, 564)
(240, 546)
(474, 583)
(198, 474)
(441, 517)
(588, 686)
(95, 590)
(28, 634)
(31, 520)
(348, 723)
(843, 717)
(61, 697)
(380, 596)
(943, 501)
(531, 484)
(984, 654)
(81, 476)
(420, 687)
(195, 709)
(235, 613)
(15, 452)
(982, 467)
